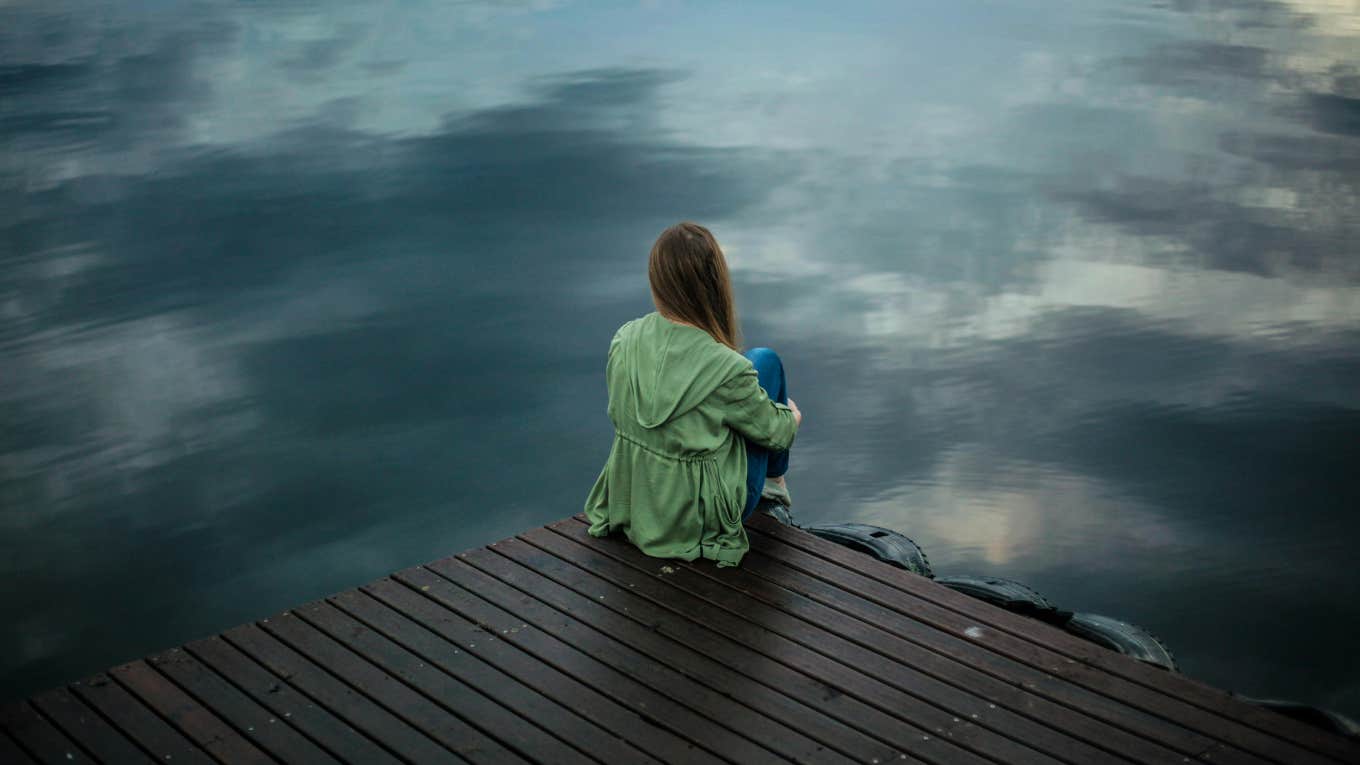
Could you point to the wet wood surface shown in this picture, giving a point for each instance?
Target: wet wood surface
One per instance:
(555, 646)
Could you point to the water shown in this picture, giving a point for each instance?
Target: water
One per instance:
(297, 294)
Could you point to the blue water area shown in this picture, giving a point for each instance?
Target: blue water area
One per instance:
(295, 294)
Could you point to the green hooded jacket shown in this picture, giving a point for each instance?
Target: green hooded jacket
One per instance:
(675, 481)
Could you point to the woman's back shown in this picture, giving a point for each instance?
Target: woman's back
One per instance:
(680, 402)
(659, 375)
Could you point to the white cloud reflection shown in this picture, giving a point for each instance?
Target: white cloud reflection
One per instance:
(144, 393)
(1015, 514)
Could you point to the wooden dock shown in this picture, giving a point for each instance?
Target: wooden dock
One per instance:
(557, 647)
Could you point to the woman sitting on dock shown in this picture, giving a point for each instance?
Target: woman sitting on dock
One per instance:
(701, 430)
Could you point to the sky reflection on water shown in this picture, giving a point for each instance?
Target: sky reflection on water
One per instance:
(298, 294)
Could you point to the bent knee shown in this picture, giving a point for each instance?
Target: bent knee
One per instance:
(764, 358)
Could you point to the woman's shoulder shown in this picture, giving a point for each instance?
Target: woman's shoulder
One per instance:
(727, 365)
(630, 326)
(631, 334)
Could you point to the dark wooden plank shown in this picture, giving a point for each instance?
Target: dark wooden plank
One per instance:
(138, 721)
(287, 704)
(561, 719)
(727, 611)
(1061, 704)
(943, 677)
(34, 733)
(1064, 706)
(433, 720)
(619, 652)
(1009, 686)
(521, 735)
(642, 731)
(1180, 687)
(357, 709)
(734, 669)
(604, 662)
(192, 718)
(262, 727)
(560, 647)
(10, 751)
(1136, 696)
(574, 650)
(77, 720)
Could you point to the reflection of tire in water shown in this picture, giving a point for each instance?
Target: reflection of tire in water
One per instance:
(885, 544)
(1123, 637)
(1321, 718)
(1008, 594)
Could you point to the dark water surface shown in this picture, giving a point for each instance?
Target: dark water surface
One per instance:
(296, 294)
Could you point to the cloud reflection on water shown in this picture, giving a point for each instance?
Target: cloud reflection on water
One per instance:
(197, 340)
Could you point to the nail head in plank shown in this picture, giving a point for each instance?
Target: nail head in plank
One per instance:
(138, 721)
(85, 725)
(666, 685)
(287, 704)
(345, 702)
(641, 731)
(1005, 684)
(493, 720)
(184, 712)
(1185, 688)
(34, 733)
(726, 611)
(560, 719)
(453, 732)
(1137, 697)
(257, 724)
(727, 666)
(621, 684)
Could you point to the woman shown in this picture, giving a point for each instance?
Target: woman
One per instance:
(697, 437)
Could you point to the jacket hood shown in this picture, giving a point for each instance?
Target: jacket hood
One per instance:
(671, 367)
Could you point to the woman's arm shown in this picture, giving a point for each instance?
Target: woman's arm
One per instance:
(749, 411)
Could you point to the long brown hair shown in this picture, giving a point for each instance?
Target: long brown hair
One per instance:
(690, 282)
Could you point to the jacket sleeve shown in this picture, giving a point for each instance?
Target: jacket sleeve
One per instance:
(749, 411)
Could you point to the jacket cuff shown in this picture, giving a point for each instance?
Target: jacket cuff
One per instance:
(725, 557)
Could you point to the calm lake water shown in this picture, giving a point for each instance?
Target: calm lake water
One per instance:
(297, 294)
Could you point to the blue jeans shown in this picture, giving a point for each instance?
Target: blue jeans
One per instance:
(761, 462)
